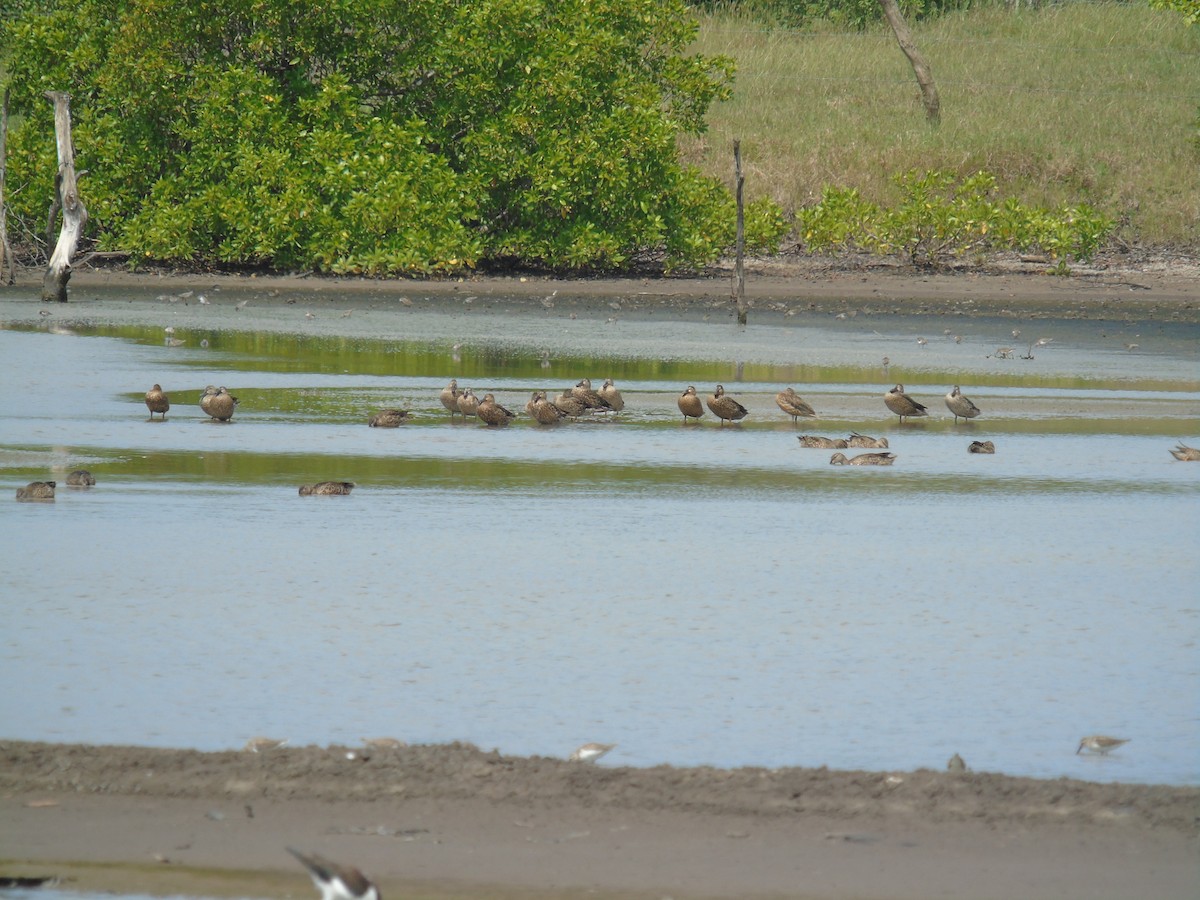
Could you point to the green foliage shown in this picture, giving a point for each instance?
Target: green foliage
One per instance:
(1189, 9)
(850, 14)
(376, 136)
(941, 216)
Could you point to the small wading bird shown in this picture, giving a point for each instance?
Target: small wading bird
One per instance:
(81, 478)
(725, 407)
(863, 459)
(37, 490)
(389, 418)
(336, 882)
(326, 489)
(590, 752)
(1099, 743)
(263, 744)
(1186, 454)
(902, 404)
(793, 404)
(690, 404)
(157, 402)
(960, 405)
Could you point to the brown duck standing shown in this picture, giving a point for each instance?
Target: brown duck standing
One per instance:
(157, 402)
(569, 405)
(960, 405)
(449, 396)
(612, 396)
(793, 404)
(725, 407)
(468, 403)
(218, 403)
(902, 404)
(591, 399)
(690, 404)
(544, 412)
(326, 489)
(492, 413)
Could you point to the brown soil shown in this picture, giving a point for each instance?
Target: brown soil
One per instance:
(456, 821)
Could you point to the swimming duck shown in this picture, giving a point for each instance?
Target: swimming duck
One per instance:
(792, 404)
(1186, 454)
(960, 405)
(591, 399)
(492, 413)
(902, 404)
(326, 489)
(81, 478)
(389, 418)
(981, 447)
(37, 490)
(468, 403)
(863, 459)
(449, 396)
(612, 396)
(817, 442)
(690, 404)
(544, 412)
(867, 443)
(157, 401)
(218, 403)
(725, 407)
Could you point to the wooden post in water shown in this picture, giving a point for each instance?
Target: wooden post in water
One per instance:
(739, 270)
(74, 213)
(5, 250)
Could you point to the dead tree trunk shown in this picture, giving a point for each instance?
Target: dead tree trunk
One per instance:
(74, 214)
(904, 38)
(740, 241)
(5, 250)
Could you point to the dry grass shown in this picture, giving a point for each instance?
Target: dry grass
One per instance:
(1066, 104)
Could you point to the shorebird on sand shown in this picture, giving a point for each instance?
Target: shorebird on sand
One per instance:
(590, 752)
(336, 882)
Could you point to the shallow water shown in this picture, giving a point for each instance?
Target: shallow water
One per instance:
(696, 594)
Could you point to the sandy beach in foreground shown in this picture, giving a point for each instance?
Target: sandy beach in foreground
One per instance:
(456, 821)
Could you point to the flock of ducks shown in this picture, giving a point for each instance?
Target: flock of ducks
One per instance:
(581, 400)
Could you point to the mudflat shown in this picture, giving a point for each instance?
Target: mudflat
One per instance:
(457, 821)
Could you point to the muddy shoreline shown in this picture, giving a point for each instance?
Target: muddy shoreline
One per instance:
(455, 820)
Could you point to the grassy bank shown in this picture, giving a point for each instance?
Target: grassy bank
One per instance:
(1073, 103)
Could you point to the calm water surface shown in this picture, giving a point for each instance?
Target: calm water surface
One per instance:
(695, 594)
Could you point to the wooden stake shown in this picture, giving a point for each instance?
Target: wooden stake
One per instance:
(74, 213)
(740, 245)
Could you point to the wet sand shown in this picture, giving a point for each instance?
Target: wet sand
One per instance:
(457, 821)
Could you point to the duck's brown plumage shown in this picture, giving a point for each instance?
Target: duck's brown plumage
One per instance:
(1184, 453)
(468, 403)
(863, 459)
(960, 405)
(157, 401)
(449, 396)
(866, 443)
(725, 407)
(569, 405)
(492, 413)
(612, 396)
(326, 489)
(81, 478)
(591, 399)
(902, 404)
(690, 404)
(37, 490)
(543, 411)
(218, 403)
(793, 404)
(817, 442)
(389, 418)
(981, 447)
